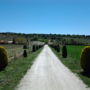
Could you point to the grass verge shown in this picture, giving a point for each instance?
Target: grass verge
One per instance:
(15, 71)
(73, 61)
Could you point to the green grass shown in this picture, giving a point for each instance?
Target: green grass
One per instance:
(73, 61)
(73, 58)
(15, 71)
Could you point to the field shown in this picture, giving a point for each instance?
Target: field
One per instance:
(73, 61)
(16, 70)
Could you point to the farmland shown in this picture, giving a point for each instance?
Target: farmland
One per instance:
(18, 65)
(73, 61)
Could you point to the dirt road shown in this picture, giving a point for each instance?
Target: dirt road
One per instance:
(48, 73)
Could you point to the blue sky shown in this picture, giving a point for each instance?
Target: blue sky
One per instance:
(45, 16)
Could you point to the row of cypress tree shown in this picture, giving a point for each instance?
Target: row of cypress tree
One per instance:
(84, 57)
(58, 49)
(4, 56)
(34, 48)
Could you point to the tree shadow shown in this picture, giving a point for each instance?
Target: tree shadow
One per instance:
(87, 74)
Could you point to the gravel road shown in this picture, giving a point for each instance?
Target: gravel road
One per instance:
(48, 73)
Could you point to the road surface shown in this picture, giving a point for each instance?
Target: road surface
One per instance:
(48, 73)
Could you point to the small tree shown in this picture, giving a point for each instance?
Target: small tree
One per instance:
(25, 53)
(14, 41)
(58, 48)
(64, 52)
(33, 48)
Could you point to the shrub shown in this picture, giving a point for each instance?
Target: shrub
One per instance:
(56, 47)
(33, 48)
(3, 58)
(85, 59)
(36, 47)
(14, 41)
(40, 46)
(25, 53)
(64, 52)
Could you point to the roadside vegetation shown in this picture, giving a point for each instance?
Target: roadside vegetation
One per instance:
(16, 69)
(67, 47)
(73, 61)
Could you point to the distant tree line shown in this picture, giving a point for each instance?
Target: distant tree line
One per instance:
(60, 38)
